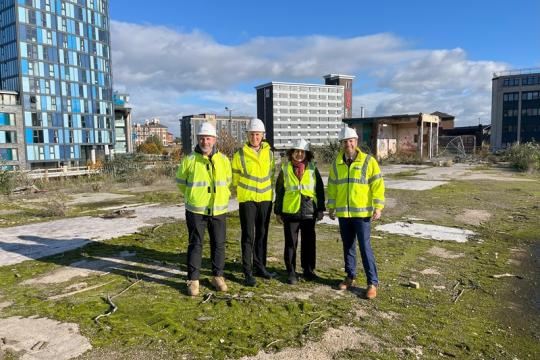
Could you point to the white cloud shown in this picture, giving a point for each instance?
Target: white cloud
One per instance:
(170, 73)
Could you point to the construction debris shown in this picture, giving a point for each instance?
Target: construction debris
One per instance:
(120, 213)
(414, 284)
(498, 276)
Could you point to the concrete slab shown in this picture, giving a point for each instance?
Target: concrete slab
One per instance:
(426, 231)
(90, 198)
(34, 241)
(41, 338)
(417, 185)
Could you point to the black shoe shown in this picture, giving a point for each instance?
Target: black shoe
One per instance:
(265, 274)
(310, 275)
(291, 279)
(250, 281)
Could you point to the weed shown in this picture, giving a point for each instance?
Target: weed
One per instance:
(524, 156)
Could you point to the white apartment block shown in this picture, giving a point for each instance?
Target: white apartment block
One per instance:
(291, 111)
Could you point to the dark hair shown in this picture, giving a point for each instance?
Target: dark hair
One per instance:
(309, 155)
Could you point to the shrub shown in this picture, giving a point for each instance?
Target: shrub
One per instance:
(524, 157)
(327, 153)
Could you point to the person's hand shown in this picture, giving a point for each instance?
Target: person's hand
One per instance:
(332, 214)
(376, 215)
(279, 219)
(320, 215)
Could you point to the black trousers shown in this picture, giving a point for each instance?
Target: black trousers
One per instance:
(308, 251)
(216, 226)
(254, 220)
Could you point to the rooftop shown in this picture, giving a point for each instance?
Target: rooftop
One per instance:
(516, 72)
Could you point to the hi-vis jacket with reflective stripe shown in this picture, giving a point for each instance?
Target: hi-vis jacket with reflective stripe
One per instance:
(294, 189)
(355, 190)
(205, 183)
(253, 173)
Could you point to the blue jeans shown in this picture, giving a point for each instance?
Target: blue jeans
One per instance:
(352, 229)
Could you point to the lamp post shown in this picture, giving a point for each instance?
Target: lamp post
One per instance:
(230, 119)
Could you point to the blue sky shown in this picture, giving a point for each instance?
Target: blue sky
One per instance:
(182, 57)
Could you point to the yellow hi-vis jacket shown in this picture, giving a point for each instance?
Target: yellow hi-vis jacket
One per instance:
(294, 189)
(253, 173)
(205, 183)
(355, 190)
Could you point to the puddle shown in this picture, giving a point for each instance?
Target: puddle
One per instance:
(426, 231)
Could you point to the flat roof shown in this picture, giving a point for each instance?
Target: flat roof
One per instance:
(272, 83)
(9, 92)
(332, 76)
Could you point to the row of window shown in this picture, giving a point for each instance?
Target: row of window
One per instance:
(96, 58)
(306, 96)
(321, 119)
(310, 104)
(94, 10)
(524, 112)
(67, 89)
(304, 133)
(67, 73)
(313, 89)
(52, 152)
(525, 95)
(79, 25)
(84, 42)
(524, 80)
(306, 111)
(59, 136)
(66, 120)
(65, 104)
(308, 126)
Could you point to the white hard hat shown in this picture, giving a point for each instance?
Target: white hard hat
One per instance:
(256, 125)
(347, 133)
(301, 144)
(207, 129)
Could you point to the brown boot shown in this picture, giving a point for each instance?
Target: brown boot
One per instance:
(345, 284)
(193, 287)
(219, 283)
(371, 292)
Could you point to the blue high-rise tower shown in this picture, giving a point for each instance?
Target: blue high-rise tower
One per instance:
(56, 55)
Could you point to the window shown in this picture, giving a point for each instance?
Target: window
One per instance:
(7, 119)
(37, 136)
(8, 137)
(510, 97)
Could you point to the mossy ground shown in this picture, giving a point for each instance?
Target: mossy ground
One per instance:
(492, 319)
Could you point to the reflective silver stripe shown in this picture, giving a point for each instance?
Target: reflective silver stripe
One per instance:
(181, 181)
(197, 184)
(336, 177)
(350, 180)
(223, 207)
(244, 173)
(243, 160)
(353, 209)
(252, 188)
(331, 201)
(364, 169)
(221, 183)
(377, 201)
(195, 208)
(300, 187)
(255, 178)
(331, 181)
(375, 177)
(237, 172)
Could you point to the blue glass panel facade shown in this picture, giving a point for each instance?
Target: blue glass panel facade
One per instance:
(57, 56)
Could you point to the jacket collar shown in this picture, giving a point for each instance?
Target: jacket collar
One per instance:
(339, 159)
